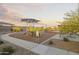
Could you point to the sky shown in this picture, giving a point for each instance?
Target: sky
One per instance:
(48, 13)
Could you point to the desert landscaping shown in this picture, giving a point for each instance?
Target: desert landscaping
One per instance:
(52, 31)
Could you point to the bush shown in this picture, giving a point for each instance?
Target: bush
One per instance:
(7, 50)
(65, 39)
(50, 42)
(1, 42)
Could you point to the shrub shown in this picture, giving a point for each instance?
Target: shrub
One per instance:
(65, 39)
(50, 42)
(7, 50)
(1, 42)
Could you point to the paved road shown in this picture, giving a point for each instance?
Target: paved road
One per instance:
(37, 48)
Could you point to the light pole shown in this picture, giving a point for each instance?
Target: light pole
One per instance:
(78, 9)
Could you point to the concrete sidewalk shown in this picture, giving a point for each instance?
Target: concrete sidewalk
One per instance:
(57, 36)
(36, 48)
(72, 38)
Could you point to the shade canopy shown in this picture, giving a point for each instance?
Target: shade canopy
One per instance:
(30, 20)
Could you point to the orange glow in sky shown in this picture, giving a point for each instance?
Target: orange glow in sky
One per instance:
(48, 13)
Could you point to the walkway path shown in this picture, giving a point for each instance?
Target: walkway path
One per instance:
(57, 36)
(73, 38)
(37, 48)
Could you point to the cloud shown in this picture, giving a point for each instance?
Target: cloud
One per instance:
(2, 10)
(47, 13)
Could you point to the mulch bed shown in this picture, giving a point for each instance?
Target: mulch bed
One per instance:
(44, 36)
(69, 46)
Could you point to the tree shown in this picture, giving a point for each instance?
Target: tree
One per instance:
(71, 23)
(29, 20)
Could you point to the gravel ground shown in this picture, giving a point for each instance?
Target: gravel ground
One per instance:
(19, 50)
(44, 36)
(69, 46)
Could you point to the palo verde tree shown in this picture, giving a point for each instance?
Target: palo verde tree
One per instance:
(71, 22)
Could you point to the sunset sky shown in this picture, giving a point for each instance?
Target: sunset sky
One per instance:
(48, 13)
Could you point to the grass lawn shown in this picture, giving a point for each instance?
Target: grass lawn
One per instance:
(44, 36)
(69, 46)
